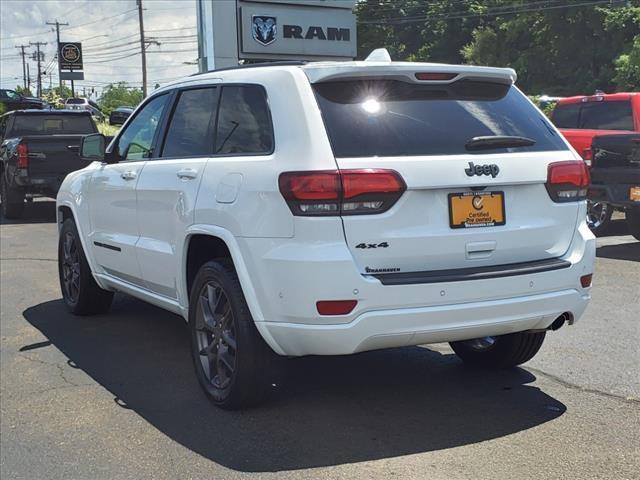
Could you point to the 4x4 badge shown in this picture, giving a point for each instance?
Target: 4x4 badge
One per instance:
(491, 169)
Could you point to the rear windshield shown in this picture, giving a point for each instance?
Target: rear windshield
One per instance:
(394, 118)
(76, 101)
(51, 125)
(605, 115)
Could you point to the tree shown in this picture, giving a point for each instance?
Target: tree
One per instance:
(628, 68)
(557, 51)
(560, 52)
(25, 92)
(118, 95)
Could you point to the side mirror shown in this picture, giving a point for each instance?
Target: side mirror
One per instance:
(92, 147)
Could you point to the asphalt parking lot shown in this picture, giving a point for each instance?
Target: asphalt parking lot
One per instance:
(114, 396)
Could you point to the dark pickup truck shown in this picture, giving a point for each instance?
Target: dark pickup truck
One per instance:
(615, 176)
(38, 148)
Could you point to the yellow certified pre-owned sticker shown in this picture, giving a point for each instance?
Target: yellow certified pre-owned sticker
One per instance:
(634, 194)
(476, 209)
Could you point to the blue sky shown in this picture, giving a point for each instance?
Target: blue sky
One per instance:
(108, 30)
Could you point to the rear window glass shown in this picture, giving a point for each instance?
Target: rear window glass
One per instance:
(76, 101)
(52, 125)
(393, 118)
(606, 116)
(244, 123)
(566, 116)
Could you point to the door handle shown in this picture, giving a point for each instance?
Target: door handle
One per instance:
(187, 173)
(128, 175)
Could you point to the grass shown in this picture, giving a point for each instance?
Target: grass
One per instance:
(108, 130)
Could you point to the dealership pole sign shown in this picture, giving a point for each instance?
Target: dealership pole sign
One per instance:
(274, 30)
(70, 58)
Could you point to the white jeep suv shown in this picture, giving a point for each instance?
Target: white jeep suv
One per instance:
(333, 208)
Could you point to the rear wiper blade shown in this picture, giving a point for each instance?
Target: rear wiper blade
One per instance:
(498, 141)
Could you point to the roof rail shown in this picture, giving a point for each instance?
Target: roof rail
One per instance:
(282, 63)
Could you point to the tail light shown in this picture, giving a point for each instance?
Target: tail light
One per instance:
(587, 156)
(433, 76)
(585, 280)
(341, 192)
(567, 181)
(23, 155)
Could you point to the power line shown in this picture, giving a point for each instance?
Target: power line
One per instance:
(490, 12)
(102, 19)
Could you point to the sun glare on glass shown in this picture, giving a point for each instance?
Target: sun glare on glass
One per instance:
(371, 105)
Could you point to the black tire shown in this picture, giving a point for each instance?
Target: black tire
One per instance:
(248, 382)
(633, 222)
(12, 200)
(80, 292)
(599, 217)
(504, 351)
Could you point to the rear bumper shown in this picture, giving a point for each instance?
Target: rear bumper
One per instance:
(415, 326)
(46, 184)
(615, 194)
(289, 277)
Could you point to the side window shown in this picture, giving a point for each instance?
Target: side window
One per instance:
(244, 124)
(136, 141)
(13, 95)
(191, 128)
(3, 127)
(612, 115)
(566, 116)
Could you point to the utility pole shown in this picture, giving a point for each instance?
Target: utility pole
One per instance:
(38, 58)
(24, 68)
(142, 49)
(28, 78)
(57, 24)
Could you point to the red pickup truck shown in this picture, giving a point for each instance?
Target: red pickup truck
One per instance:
(582, 118)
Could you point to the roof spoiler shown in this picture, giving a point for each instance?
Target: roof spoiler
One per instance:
(379, 65)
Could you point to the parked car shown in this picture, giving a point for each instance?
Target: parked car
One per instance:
(615, 176)
(38, 148)
(333, 208)
(85, 104)
(119, 115)
(582, 118)
(12, 100)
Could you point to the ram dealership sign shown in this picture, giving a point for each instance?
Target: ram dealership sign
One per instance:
(274, 30)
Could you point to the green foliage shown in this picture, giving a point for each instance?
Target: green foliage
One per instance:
(107, 129)
(118, 95)
(628, 68)
(53, 98)
(25, 92)
(560, 51)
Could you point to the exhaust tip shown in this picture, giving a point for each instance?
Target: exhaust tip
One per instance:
(566, 317)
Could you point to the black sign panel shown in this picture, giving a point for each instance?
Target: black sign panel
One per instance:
(70, 55)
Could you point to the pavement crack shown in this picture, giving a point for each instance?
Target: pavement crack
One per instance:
(579, 388)
(57, 365)
(32, 259)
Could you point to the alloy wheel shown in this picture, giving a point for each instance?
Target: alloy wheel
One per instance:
(71, 267)
(596, 214)
(215, 335)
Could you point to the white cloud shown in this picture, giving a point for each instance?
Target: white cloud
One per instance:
(106, 34)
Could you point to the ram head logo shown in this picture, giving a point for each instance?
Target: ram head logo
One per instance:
(263, 29)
